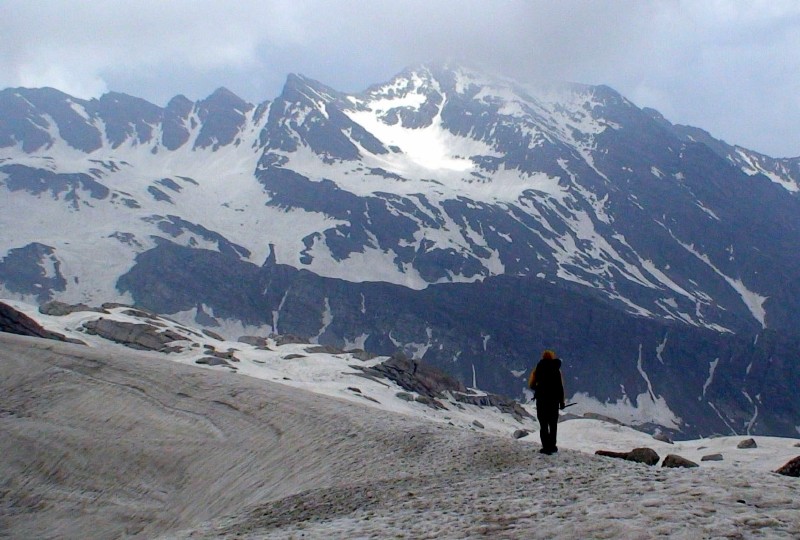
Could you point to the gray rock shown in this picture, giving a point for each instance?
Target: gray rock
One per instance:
(293, 356)
(797, 445)
(211, 361)
(637, 455)
(55, 308)
(792, 468)
(327, 349)
(430, 402)
(360, 354)
(520, 433)
(255, 341)
(747, 443)
(478, 424)
(405, 396)
(213, 335)
(134, 335)
(712, 457)
(287, 339)
(16, 322)
(675, 461)
(663, 437)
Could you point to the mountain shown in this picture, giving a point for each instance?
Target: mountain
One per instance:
(468, 220)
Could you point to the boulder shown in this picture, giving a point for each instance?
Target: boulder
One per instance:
(55, 308)
(675, 461)
(211, 361)
(747, 443)
(792, 468)
(712, 457)
(134, 335)
(478, 424)
(637, 455)
(520, 433)
(255, 341)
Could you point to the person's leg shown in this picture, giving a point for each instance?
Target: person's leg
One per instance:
(553, 430)
(544, 426)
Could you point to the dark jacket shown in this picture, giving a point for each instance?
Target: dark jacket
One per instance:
(547, 383)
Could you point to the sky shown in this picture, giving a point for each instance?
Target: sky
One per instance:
(731, 67)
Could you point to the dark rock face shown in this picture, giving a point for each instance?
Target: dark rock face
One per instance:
(637, 455)
(15, 322)
(33, 270)
(675, 461)
(792, 468)
(515, 311)
(747, 443)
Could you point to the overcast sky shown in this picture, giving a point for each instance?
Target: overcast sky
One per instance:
(730, 67)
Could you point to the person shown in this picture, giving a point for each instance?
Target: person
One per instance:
(547, 383)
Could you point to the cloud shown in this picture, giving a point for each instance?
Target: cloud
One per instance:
(730, 67)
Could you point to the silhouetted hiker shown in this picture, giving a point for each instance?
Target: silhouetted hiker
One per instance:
(547, 384)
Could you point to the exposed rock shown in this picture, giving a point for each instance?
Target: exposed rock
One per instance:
(430, 402)
(133, 335)
(255, 341)
(503, 403)
(416, 377)
(293, 356)
(354, 389)
(520, 433)
(212, 335)
(747, 443)
(675, 461)
(663, 437)
(327, 349)
(638, 455)
(55, 308)
(477, 424)
(433, 384)
(405, 396)
(228, 355)
(287, 339)
(16, 322)
(361, 354)
(797, 445)
(212, 361)
(712, 457)
(792, 468)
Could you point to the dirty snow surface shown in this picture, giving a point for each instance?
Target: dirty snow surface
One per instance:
(103, 442)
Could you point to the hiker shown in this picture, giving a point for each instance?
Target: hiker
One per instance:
(547, 384)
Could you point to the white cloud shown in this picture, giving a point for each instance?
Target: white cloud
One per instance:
(728, 66)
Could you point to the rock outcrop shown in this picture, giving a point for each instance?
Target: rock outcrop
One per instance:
(675, 461)
(637, 455)
(792, 468)
(16, 322)
(134, 335)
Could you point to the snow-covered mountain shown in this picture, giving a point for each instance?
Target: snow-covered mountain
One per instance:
(466, 219)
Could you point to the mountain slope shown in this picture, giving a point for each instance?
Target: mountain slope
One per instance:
(104, 442)
(351, 218)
